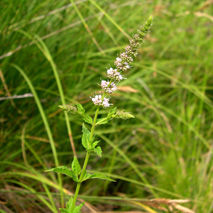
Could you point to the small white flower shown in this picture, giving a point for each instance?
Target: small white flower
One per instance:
(127, 65)
(106, 102)
(118, 59)
(108, 88)
(111, 71)
(114, 74)
(119, 77)
(112, 88)
(126, 57)
(97, 100)
(104, 84)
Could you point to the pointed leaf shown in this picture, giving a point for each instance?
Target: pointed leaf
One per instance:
(85, 137)
(98, 151)
(69, 204)
(63, 170)
(78, 208)
(76, 168)
(102, 121)
(112, 112)
(109, 117)
(87, 118)
(80, 108)
(81, 111)
(94, 144)
(98, 176)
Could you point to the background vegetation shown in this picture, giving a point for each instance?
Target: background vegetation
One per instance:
(165, 152)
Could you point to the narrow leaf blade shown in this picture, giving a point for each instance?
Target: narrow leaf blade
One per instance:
(61, 169)
(97, 175)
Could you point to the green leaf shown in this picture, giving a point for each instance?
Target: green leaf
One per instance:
(109, 117)
(94, 144)
(98, 176)
(78, 208)
(86, 137)
(98, 151)
(76, 168)
(64, 170)
(87, 118)
(112, 112)
(95, 149)
(80, 108)
(64, 210)
(102, 121)
(81, 111)
(69, 204)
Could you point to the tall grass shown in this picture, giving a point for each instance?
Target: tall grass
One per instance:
(165, 152)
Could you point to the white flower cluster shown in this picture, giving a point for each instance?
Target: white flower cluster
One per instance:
(114, 74)
(126, 57)
(97, 100)
(122, 64)
(107, 87)
(131, 51)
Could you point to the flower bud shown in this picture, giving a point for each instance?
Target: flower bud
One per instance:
(68, 108)
(123, 115)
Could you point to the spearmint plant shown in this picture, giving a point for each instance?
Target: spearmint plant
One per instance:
(114, 74)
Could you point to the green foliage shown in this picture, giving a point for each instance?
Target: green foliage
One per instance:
(78, 208)
(98, 151)
(69, 205)
(114, 113)
(81, 112)
(68, 108)
(172, 100)
(62, 170)
(97, 175)
(90, 146)
(123, 115)
(86, 137)
(109, 117)
(76, 168)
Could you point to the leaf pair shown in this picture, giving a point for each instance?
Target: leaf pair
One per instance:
(74, 173)
(114, 113)
(109, 117)
(88, 142)
(81, 112)
(69, 206)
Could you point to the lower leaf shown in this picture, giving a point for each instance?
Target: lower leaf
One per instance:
(97, 175)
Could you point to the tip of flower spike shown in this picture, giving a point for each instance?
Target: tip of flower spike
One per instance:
(68, 108)
(150, 20)
(123, 115)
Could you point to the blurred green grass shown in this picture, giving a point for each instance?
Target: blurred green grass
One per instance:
(165, 152)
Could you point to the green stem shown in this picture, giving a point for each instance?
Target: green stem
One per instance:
(80, 180)
(87, 155)
(85, 163)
